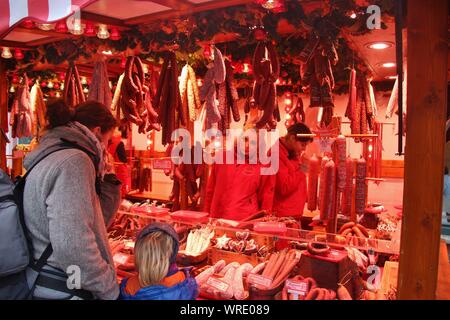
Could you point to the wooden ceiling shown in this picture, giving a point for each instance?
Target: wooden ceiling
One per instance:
(127, 13)
(118, 13)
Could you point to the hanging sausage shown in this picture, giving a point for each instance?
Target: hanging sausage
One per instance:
(215, 75)
(73, 89)
(167, 101)
(266, 69)
(99, 89)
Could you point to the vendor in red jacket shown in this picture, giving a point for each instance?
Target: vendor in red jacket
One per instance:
(290, 188)
(236, 191)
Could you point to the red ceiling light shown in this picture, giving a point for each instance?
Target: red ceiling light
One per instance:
(18, 54)
(61, 26)
(260, 34)
(43, 84)
(15, 79)
(123, 63)
(207, 51)
(90, 30)
(115, 34)
(29, 24)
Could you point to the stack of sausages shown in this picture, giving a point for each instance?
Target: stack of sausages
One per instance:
(266, 71)
(73, 90)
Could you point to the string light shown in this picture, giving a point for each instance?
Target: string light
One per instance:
(18, 54)
(50, 85)
(103, 32)
(12, 90)
(90, 30)
(83, 80)
(6, 53)
(115, 34)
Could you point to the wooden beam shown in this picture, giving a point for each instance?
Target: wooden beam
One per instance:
(49, 33)
(14, 44)
(98, 18)
(42, 41)
(175, 4)
(427, 110)
(3, 113)
(213, 5)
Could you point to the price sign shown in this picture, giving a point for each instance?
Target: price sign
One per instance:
(260, 280)
(120, 258)
(217, 284)
(297, 287)
(162, 164)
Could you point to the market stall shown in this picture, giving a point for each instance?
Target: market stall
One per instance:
(342, 68)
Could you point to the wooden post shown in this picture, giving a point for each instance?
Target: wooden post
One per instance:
(427, 50)
(3, 114)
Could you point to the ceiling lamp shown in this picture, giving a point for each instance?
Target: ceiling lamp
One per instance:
(61, 26)
(90, 30)
(270, 4)
(115, 34)
(6, 53)
(83, 80)
(381, 45)
(77, 29)
(50, 85)
(18, 54)
(46, 26)
(103, 32)
(388, 64)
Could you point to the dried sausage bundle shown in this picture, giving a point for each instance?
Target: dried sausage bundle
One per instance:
(347, 196)
(39, 110)
(266, 71)
(313, 181)
(361, 107)
(328, 194)
(190, 99)
(216, 74)
(73, 90)
(228, 99)
(167, 100)
(318, 75)
(134, 101)
(21, 115)
(360, 186)
(99, 89)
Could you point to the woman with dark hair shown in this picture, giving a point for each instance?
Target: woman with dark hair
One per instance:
(69, 199)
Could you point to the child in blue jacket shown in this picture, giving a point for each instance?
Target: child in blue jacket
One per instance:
(158, 277)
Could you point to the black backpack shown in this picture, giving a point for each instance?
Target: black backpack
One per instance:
(18, 270)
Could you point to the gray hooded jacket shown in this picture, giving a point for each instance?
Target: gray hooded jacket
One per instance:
(62, 207)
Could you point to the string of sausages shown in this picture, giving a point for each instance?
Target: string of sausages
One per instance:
(21, 120)
(266, 70)
(167, 100)
(73, 89)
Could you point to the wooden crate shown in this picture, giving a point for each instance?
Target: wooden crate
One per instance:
(329, 270)
(229, 256)
(389, 277)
